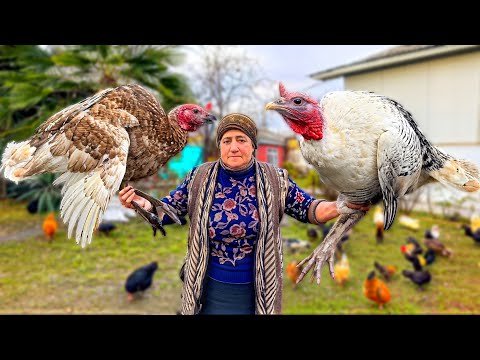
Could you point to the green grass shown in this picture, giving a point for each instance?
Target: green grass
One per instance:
(61, 277)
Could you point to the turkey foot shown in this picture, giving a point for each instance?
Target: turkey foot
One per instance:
(152, 218)
(325, 252)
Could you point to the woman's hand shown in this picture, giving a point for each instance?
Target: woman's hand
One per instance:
(127, 195)
(363, 207)
(345, 207)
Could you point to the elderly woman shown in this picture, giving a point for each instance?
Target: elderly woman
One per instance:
(235, 204)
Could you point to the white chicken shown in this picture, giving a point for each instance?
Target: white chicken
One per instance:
(367, 147)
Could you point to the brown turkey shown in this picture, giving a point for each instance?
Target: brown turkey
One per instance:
(367, 147)
(118, 135)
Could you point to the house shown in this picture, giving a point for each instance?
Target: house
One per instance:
(271, 147)
(437, 84)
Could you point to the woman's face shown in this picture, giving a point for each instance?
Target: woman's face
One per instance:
(236, 149)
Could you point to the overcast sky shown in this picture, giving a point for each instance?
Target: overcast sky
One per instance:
(292, 64)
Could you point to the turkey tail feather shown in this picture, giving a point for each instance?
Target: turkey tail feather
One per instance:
(21, 160)
(461, 174)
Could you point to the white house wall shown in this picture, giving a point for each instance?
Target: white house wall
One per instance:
(443, 95)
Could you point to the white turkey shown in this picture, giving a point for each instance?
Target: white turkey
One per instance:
(367, 147)
(118, 135)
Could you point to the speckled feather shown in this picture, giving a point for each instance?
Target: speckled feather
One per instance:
(106, 140)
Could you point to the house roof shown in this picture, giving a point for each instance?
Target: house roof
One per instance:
(267, 137)
(391, 57)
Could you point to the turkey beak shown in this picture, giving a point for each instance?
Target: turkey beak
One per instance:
(275, 105)
(209, 119)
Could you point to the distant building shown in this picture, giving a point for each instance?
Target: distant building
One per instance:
(271, 147)
(437, 84)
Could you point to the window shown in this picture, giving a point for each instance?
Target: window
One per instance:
(272, 156)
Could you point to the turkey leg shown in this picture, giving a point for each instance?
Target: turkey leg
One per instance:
(152, 218)
(325, 252)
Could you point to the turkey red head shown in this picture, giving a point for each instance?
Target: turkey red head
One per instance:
(190, 116)
(300, 111)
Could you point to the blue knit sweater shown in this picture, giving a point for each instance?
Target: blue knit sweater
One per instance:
(233, 226)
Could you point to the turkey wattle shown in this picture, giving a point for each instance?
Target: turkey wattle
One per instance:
(367, 147)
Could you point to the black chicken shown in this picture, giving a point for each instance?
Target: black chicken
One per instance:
(32, 207)
(106, 228)
(417, 249)
(140, 279)
(420, 278)
(474, 235)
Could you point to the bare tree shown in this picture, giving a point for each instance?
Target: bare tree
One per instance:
(228, 78)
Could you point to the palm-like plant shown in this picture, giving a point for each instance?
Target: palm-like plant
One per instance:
(37, 82)
(38, 188)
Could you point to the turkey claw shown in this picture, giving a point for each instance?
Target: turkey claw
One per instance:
(151, 218)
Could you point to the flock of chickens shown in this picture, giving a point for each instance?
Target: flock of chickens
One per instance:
(375, 287)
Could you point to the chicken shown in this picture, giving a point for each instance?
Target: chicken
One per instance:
(413, 249)
(431, 241)
(140, 280)
(376, 290)
(50, 226)
(118, 135)
(379, 221)
(368, 148)
(32, 207)
(417, 260)
(414, 246)
(386, 271)
(473, 230)
(106, 228)
(474, 235)
(419, 277)
(296, 245)
(293, 272)
(342, 270)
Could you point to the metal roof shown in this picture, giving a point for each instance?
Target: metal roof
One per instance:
(395, 56)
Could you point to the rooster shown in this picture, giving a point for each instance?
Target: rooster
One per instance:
(367, 147)
(50, 226)
(118, 135)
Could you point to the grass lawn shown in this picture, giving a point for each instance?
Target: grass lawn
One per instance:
(62, 278)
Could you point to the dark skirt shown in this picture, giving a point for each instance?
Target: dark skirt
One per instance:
(221, 298)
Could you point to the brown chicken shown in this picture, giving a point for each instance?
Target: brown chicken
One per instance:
(386, 271)
(376, 290)
(50, 226)
(431, 241)
(293, 272)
